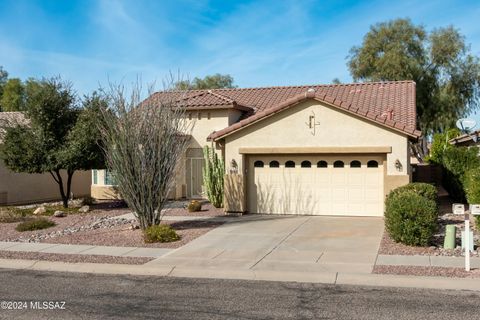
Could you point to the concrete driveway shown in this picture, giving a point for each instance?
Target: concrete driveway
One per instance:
(285, 243)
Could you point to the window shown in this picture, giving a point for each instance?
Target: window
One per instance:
(355, 164)
(199, 116)
(109, 178)
(372, 164)
(322, 164)
(289, 164)
(95, 178)
(258, 164)
(209, 115)
(274, 164)
(306, 164)
(338, 164)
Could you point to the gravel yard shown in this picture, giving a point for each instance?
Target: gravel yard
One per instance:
(72, 258)
(427, 271)
(124, 236)
(177, 208)
(102, 226)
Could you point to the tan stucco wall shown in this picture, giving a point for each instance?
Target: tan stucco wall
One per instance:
(104, 192)
(336, 129)
(24, 188)
(219, 119)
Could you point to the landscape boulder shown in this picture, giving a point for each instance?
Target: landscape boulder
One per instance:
(40, 210)
(84, 209)
(59, 214)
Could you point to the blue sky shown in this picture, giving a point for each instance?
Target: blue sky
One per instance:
(260, 43)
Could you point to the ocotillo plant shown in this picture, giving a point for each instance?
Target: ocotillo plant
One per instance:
(213, 172)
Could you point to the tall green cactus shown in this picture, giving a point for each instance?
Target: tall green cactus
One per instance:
(213, 172)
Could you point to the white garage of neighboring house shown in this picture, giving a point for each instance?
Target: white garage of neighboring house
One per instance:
(24, 188)
(319, 150)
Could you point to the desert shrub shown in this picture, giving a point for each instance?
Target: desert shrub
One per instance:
(194, 206)
(456, 162)
(11, 215)
(422, 189)
(35, 224)
(88, 201)
(160, 233)
(410, 218)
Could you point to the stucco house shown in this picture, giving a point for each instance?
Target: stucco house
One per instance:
(321, 149)
(24, 188)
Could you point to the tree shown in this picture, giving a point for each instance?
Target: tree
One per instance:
(144, 142)
(216, 81)
(13, 98)
(56, 136)
(447, 75)
(3, 79)
(336, 81)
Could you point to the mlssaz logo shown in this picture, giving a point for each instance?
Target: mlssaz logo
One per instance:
(47, 305)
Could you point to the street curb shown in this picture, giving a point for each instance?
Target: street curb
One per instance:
(332, 278)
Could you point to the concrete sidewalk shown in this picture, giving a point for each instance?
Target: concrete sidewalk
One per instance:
(84, 249)
(334, 278)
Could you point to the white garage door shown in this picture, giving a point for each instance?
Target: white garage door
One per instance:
(316, 185)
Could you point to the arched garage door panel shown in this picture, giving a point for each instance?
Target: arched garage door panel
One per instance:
(303, 185)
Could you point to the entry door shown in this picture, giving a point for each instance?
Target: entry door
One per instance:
(195, 177)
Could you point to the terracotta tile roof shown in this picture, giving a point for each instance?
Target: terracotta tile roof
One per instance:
(198, 99)
(391, 104)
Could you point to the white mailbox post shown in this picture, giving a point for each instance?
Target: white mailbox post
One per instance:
(459, 208)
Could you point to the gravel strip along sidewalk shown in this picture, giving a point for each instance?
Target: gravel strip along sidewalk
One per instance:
(427, 271)
(73, 258)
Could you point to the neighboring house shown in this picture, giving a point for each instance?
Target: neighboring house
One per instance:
(467, 140)
(23, 188)
(320, 149)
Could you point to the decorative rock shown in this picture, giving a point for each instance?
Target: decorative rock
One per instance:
(40, 210)
(84, 209)
(59, 214)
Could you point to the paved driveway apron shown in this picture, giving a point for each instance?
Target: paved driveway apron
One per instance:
(285, 243)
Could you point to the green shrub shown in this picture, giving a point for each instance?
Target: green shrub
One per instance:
(440, 144)
(194, 206)
(410, 218)
(422, 189)
(35, 224)
(472, 189)
(160, 233)
(456, 162)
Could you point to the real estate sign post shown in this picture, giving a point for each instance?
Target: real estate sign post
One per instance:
(459, 208)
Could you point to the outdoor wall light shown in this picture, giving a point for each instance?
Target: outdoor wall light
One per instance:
(398, 165)
(233, 166)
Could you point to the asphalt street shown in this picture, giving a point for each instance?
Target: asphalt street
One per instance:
(48, 295)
